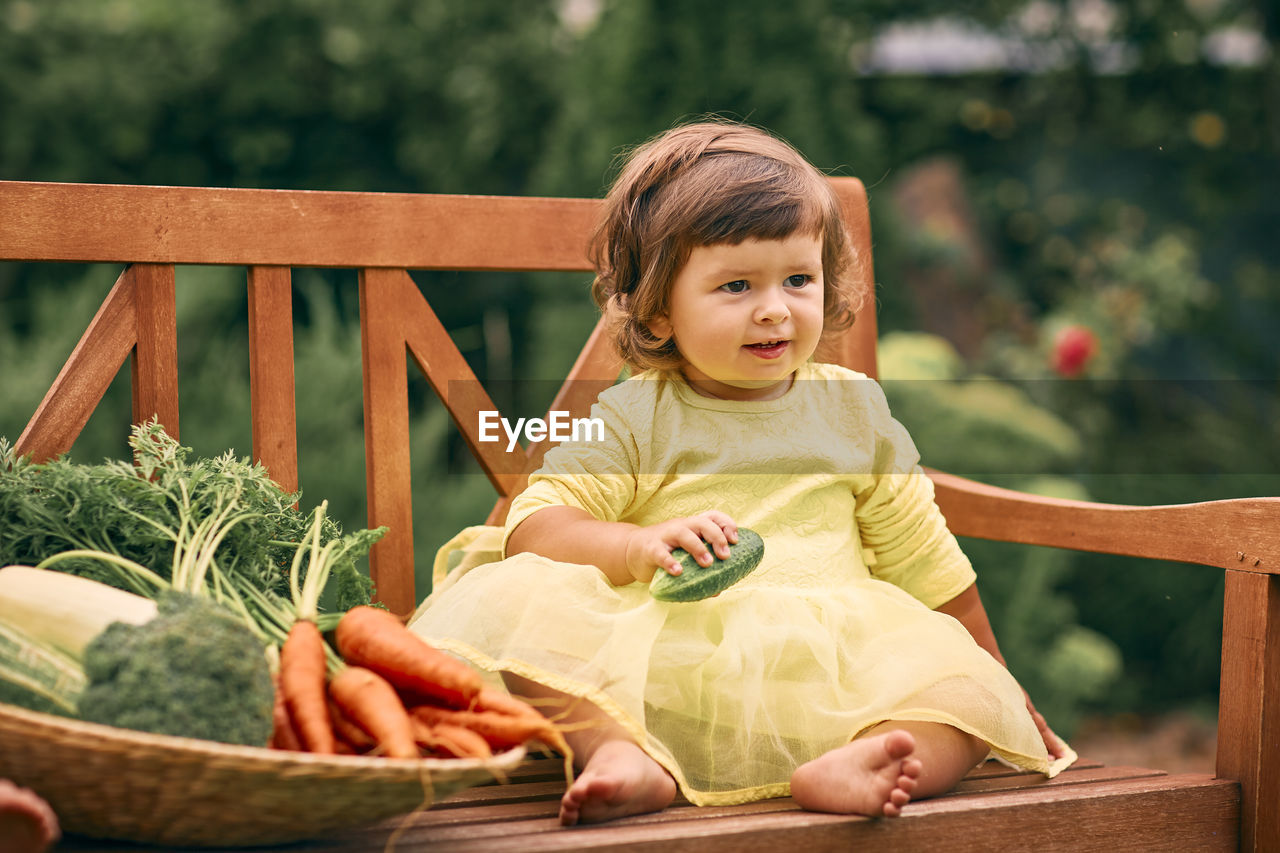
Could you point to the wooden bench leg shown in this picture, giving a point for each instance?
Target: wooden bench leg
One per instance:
(1249, 704)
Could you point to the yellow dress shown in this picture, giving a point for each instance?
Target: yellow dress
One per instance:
(832, 634)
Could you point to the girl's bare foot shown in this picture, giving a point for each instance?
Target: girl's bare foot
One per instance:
(620, 779)
(873, 776)
(27, 824)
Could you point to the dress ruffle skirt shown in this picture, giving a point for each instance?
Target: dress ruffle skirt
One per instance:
(731, 694)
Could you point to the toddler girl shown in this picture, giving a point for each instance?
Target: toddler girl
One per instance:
(855, 669)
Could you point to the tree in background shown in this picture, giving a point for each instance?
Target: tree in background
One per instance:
(306, 94)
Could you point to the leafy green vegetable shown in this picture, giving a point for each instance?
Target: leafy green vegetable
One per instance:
(196, 670)
(141, 511)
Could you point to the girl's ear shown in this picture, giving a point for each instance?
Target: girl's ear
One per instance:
(660, 327)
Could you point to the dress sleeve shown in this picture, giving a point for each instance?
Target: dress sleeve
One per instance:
(597, 476)
(900, 523)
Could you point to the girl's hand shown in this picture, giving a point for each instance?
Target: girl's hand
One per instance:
(1052, 742)
(649, 548)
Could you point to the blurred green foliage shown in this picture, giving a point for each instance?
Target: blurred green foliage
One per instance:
(1123, 186)
(992, 431)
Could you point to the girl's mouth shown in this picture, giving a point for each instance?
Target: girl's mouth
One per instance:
(768, 349)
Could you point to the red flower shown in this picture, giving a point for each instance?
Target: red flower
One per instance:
(1072, 349)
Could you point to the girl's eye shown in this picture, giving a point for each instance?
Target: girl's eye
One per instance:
(734, 286)
(799, 280)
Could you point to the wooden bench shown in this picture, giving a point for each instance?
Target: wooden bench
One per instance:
(153, 230)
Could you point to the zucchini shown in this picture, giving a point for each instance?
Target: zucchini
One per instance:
(66, 611)
(37, 677)
(696, 582)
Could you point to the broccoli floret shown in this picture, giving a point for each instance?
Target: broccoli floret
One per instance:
(194, 670)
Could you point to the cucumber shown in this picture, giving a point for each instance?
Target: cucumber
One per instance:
(695, 582)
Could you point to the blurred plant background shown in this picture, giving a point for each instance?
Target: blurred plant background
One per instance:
(1073, 204)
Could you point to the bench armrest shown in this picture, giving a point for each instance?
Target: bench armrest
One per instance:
(1240, 533)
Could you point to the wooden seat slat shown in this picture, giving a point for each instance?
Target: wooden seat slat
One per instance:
(1027, 781)
(536, 818)
(484, 818)
(515, 792)
(992, 769)
(540, 768)
(536, 768)
(1144, 813)
(1194, 812)
(978, 782)
(485, 813)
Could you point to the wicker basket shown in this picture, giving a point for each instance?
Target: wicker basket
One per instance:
(133, 786)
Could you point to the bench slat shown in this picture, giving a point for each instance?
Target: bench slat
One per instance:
(1161, 813)
(539, 768)
(85, 377)
(1191, 812)
(453, 381)
(531, 809)
(1031, 781)
(856, 348)
(596, 368)
(200, 225)
(138, 317)
(386, 438)
(155, 354)
(396, 321)
(271, 373)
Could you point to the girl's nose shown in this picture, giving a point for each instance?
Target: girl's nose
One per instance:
(772, 309)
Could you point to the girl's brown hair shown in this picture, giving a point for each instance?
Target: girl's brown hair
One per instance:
(708, 184)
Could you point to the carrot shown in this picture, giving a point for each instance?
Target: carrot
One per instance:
(490, 699)
(452, 740)
(304, 659)
(375, 639)
(283, 735)
(302, 681)
(371, 703)
(463, 742)
(500, 731)
(347, 732)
